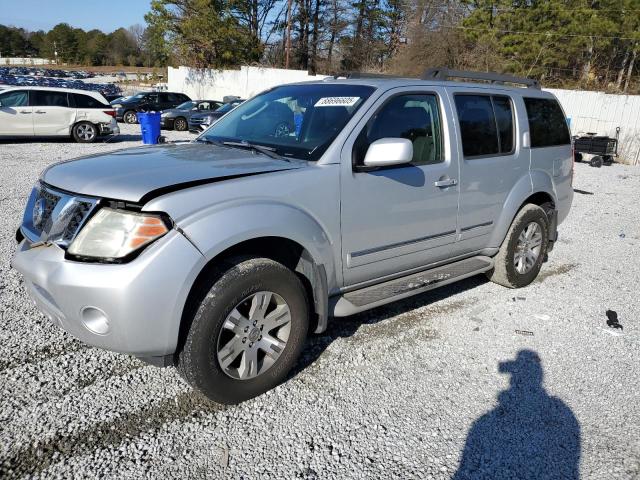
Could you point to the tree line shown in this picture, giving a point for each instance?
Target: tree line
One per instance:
(570, 43)
(70, 45)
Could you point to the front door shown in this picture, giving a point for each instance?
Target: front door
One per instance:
(403, 217)
(16, 117)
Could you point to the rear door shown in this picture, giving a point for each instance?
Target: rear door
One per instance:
(490, 160)
(397, 218)
(52, 114)
(16, 116)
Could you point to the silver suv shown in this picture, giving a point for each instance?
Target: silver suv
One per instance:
(309, 201)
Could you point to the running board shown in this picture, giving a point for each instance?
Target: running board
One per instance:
(392, 290)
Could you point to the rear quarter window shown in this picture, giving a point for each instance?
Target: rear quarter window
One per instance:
(547, 125)
(85, 101)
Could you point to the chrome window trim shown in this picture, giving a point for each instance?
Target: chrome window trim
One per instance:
(55, 228)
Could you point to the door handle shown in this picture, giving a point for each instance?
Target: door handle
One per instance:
(446, 183)
(40, 111)
(25, 113)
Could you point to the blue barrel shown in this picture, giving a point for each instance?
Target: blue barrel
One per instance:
(150, 126)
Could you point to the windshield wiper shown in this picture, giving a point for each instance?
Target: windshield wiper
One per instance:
(268, 151)
(206, 140)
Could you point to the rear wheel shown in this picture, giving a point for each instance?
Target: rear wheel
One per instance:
(247, 331)
(180, 124)
(84, 132)
(596, 161)
(130, 117)
(521, 255)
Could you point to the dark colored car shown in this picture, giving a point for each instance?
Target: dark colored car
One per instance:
(146, 101)
(178, 118)
(201, 121)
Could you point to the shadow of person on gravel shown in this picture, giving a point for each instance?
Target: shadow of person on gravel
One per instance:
(530, 434)
(348, 326)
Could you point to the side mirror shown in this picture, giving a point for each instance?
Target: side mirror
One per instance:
(389, 151)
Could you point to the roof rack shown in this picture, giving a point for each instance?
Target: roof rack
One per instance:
(444, 74)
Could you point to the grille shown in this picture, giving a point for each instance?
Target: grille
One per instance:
(50, 201)
(55, 217)
(81, 211)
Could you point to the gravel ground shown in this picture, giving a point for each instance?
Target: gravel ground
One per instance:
(437, 386)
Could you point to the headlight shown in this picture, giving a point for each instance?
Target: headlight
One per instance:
(116, 105)
(114, 234)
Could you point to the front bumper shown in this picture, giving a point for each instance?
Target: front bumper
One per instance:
(167, 123)
(141, 300)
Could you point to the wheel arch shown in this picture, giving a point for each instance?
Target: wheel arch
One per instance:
(281, 249)
(537, 189)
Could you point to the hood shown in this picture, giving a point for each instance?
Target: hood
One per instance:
(139, 174)
(172, 112)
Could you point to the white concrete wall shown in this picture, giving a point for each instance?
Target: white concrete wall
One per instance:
(25, 61)
(244, 83)
(602, 113)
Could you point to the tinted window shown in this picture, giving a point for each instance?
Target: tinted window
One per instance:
(171, 97)
(504, 119)
(477, 125)
(40, 98)
(414, 117)
(547, 125)
(14, 99)
(85, 101)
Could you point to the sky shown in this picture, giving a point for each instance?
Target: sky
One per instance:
(105, 15)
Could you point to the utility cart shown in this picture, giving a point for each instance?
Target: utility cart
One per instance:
(603, 148)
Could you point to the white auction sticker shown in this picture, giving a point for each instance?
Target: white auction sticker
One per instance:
(337, 102)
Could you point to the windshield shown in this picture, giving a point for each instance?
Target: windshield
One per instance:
(186, 105)
(138, 96)
(297, 121)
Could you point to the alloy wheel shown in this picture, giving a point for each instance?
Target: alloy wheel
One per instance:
(86, 132)
(254, 335)
(528, 248)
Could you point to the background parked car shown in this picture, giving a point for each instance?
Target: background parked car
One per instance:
(53, 112)
(178, 118)
(146, 101)
(201, 121)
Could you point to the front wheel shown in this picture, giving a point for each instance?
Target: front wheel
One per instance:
(247, 332)
(85, 132)
(180, 124)
(521, 254)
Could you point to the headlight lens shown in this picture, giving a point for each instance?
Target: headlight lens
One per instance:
(116, 105)
(114, 234)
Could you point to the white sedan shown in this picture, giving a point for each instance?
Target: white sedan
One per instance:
(54, 112)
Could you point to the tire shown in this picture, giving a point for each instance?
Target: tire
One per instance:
(204, 360)
(577, 157)
(130, 117)
(505, 271)
(607, 160)
(180, 124)
(596, 162)
(84, 132)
